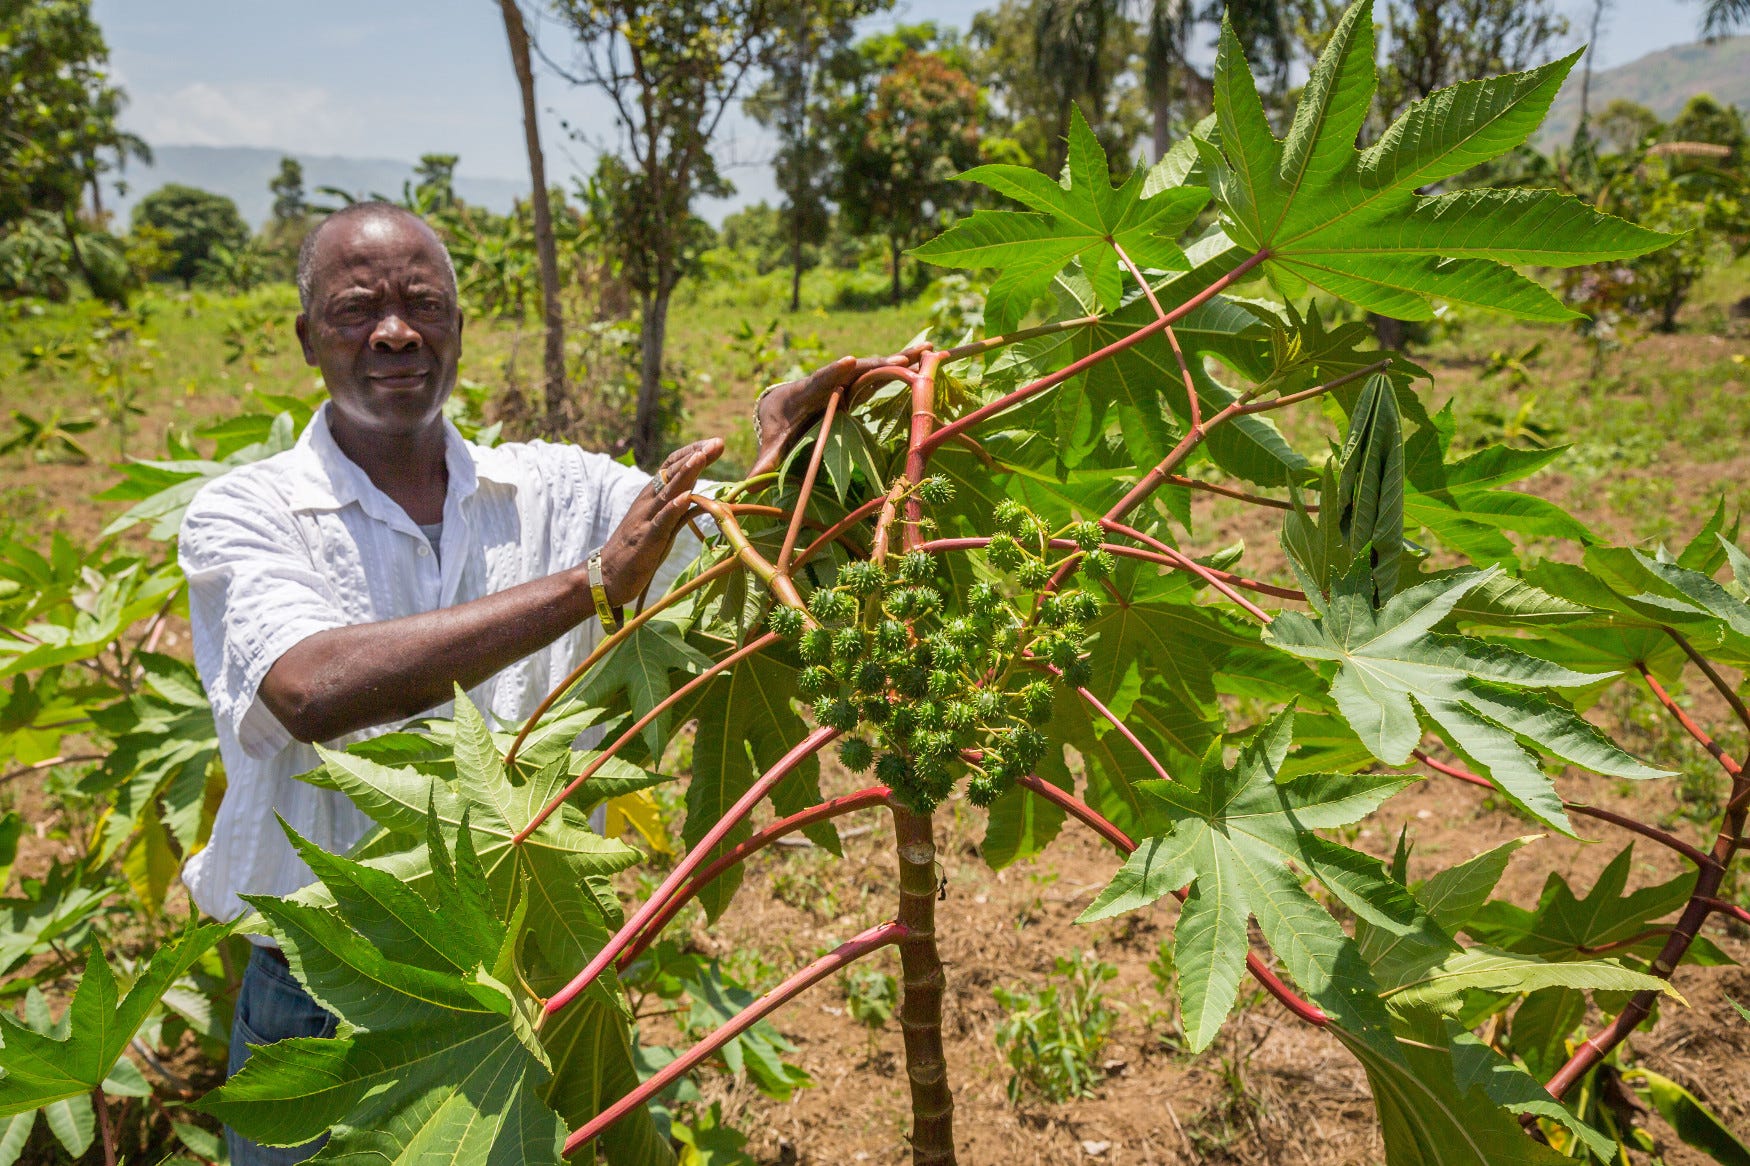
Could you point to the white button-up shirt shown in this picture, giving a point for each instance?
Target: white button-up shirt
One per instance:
(302, 542)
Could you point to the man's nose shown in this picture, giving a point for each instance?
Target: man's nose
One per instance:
(393, 335)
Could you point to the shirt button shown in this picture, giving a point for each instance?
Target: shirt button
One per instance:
(424, 550)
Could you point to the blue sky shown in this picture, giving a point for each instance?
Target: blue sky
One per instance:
(398, 78)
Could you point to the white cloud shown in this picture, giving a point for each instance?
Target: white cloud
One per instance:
(268, 113)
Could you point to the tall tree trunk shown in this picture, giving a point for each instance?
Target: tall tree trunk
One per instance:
(1162, 113)
(647, 433)
(920, 1012)
(546, 250)
(895, 250)
(1598, 7)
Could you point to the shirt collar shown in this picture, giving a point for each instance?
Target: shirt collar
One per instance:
(326, 479)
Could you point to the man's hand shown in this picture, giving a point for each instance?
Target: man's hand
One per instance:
(640, 543)
(786, 411)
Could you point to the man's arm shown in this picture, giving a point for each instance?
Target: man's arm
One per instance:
(345, 679)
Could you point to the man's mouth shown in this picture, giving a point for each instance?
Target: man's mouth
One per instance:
(410, 379)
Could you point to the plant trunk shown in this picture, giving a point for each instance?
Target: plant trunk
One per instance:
(796, 268)
(1389, 331)
(546, 251)
(646, 431)
(1162, 115)
(920, 1013)
(895, 251)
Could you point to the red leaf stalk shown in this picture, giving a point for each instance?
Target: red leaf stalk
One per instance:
(638, 726)
(917, 458)
(847, 953)
(1187, 563)
(1725, 690)
(1689, 725)
(1009, 400)
(695, 859)
(1127, 552)
(1670, 841)
(878, 795)
(709, 575)
(813, 471)
(1098, 822)
(990, 343)
(837, 530)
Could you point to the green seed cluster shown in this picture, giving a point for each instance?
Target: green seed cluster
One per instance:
(927, 689)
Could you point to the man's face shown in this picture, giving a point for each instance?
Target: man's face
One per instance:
(383, 325)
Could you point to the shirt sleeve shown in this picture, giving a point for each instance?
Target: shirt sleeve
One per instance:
(253, 593)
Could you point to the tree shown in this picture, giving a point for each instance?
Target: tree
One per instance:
(546, 249)
(1433, 44)
(1722, 17)
(58, 110)
(900, 148)
(806, 36)
(197, 223)
(670, 72)
(1039, 58)
(1626, 126)
(434, 181)
(1707, 121)
(1165, 71)
(287, 187)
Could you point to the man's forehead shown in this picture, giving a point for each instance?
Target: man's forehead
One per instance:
(380, 245)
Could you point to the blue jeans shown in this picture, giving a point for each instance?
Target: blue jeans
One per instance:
(271, 1006)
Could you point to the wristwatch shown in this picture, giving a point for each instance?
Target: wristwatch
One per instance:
(598, 590)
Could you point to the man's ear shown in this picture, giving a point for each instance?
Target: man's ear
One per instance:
(302, 326)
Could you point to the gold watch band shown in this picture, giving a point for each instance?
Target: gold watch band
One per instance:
(598, 590)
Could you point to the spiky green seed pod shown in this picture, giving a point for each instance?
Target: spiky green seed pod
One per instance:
(911, 681)
(785, 620)
(871, 677)
(861, 578)
(821, 604)
(943, 683)
(1036, 701)
(990, 705)
(892, 769)
(856, 754)
(1087, 535)
(935, 743)
(917, 567)
(816, 646)
(1010, 515)
(936, 490)
(959, 714)
(930, 714)
(836, 713)
(1062, 651)
(945, 653)
(903, 722)
(1033, 574)
(847, 644)
(893, 636)
(814, 681)
(984, 600)
(1078, 673)
(1082, 605)
(1004, 552)
(877, 711)
(1100, 564)
(983, 790)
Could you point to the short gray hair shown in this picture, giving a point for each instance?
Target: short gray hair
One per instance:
(369, 208)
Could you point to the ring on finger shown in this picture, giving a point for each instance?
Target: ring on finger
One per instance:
(660, 481)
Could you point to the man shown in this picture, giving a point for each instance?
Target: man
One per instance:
(344, 586)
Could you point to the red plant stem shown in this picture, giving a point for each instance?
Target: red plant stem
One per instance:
(837, 530)
(878, 795)
(917, 458)
(884, 520)
(696, 856)
(845, 954)
(1196, 406)
(1187, 563)
(100, 1102)
(709, 575)
(813, 471)
(1731, 909)
(1009, 400)
(638, 726)
(1683, 718)
(1719, 682)
(1136, 274)
(782, 587)
(1230, 492)
(1124, 730)
(1098, 822)
(920, 1012)
(977, 347)
(1128, 552)
(1670, 841)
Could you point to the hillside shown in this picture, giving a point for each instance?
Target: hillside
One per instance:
(243, 172)
(1661, 81)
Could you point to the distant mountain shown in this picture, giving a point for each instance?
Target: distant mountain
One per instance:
(1661, 81)
(243, 172)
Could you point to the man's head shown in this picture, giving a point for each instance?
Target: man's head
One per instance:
(380, 317)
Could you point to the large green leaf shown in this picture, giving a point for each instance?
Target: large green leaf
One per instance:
(1391, 663)
(49, 1063)
(440, 1061)
(1232, 839)
(1352, 221)
(1085, 217)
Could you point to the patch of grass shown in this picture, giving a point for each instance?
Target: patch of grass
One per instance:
(1052, 1036)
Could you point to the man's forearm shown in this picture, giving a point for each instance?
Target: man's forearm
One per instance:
(345, 679)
